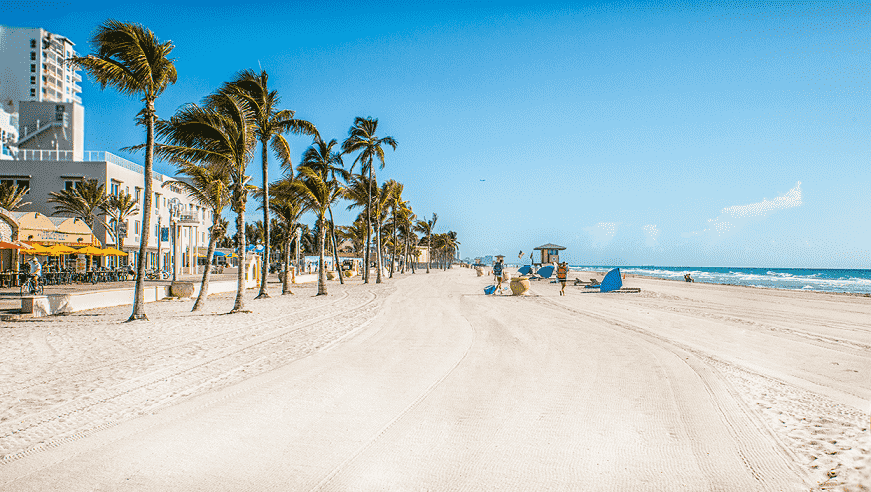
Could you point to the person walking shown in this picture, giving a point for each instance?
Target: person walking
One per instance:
(562, 271)
(497, 271)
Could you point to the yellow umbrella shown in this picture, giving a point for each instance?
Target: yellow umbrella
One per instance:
(90, 250)
(36, 249)
(60, 249)
(113, 252)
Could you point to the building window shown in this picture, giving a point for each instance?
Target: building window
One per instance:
(24, 183)
(136, 227)
(33, 67)
(156, 230)
(33, 55)
(69, 185)
(138, 191)
(32, 92)
(33, 43)
(114, 188)
(157, 201)
(33, 79)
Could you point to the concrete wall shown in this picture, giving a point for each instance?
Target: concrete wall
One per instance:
(52, 304)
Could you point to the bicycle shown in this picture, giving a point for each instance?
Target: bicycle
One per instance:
(31, 286)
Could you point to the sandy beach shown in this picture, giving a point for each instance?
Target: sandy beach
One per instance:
(424, 383)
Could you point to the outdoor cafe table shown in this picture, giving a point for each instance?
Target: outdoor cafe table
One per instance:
(11, 279)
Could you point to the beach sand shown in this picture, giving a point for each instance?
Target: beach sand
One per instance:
(424, 383)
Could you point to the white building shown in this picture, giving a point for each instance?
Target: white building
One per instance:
(51, 158)
(33, 68)
(8, 134)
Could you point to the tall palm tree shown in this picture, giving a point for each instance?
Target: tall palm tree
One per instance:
(12, 196)
(118, 208)
(219, 133)
(321, 158)
(208, 185)
(426, 228)
(82, 201)
(361, 137)
(270, 125)
(313, 189)
(288, 209)
(356, 233)
(396, 204)
(132, 60)
(406, 222)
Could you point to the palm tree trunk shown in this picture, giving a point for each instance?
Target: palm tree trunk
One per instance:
(204, 284)
(139, 288)
(368, 228)
(322, 271)
(239, 305)
(285, 286)
(378, 258)
(393, 256)
(428, 251)
(335, 247)
(264, 271)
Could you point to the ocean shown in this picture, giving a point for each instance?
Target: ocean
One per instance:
(816, 279)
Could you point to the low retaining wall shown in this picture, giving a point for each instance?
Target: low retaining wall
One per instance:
(47, 305)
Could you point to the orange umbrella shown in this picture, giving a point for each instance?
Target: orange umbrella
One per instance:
(113, 252)
(6, 245)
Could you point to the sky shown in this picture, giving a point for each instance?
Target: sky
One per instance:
(632, 133)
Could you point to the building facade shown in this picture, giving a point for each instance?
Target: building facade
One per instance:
(34, 68)
(8, 134)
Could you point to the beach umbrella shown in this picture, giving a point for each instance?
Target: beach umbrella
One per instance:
(220, 253)
(110, 251)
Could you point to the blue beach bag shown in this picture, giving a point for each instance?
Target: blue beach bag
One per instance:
(489, 289)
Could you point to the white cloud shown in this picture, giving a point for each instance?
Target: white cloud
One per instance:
(651, 233)
(602, 233)
(732, 218)
(789, 200)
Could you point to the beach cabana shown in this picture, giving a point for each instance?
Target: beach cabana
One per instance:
(549, 253)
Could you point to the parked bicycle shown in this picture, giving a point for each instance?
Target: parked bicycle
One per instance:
(32, 286)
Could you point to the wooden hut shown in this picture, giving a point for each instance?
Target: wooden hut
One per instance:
(549, 253)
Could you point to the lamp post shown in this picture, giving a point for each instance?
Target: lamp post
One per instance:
(175, 207)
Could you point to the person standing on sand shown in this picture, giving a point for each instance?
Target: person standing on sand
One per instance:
(561, 272)
(497, 271)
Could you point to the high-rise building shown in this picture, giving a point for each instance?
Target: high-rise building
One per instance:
(33, 68)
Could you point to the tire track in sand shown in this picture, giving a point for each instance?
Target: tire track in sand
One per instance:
(742, 422)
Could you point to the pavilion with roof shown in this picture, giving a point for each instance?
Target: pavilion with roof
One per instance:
(549, 253)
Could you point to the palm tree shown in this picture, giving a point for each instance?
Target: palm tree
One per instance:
(314, 190)
(406, 223)
(426, 227)
(219, 133)
(131, 59)
(12, 196)
(361, 137)
(118, 208)
(288, 209)
(321, 158)
(82, 201)
(396, 207)
(269, 127)
(355, 233)
(209, 186)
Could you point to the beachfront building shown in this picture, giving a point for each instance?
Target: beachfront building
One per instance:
(8, 134)
(549, 253)
(34, 69)
(51, 158)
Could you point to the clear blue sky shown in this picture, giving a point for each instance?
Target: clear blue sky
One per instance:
(655, 133)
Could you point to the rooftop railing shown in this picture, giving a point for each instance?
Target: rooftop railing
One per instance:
(87, 156)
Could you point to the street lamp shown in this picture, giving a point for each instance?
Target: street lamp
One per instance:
(175, 207)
